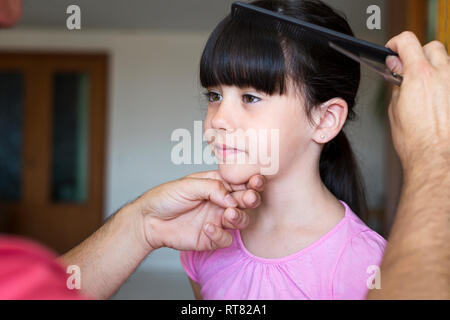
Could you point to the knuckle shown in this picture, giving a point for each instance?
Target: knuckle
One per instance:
(258, 197)
(239, 217)
(222, 238)
(218, 240)
(243, 219)
(408, 35)
(213, 245)
(215, 235)
(237, 196)
(433, 45)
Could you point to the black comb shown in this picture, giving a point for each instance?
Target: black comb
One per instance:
(356, 46)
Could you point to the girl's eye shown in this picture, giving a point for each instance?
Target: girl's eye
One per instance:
(213, 96)
(247, 98)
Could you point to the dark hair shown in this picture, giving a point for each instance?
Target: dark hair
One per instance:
(243, 53)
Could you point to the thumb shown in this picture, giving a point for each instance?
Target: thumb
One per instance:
(394, 64)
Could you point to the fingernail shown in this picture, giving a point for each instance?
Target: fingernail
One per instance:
(252, 198)
(234, 215)
(209, 228)
(230, 201)
(259, 183)
(392, 63)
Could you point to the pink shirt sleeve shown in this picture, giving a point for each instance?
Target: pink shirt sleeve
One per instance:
(187, 262)
(355, 268)
(29, 271)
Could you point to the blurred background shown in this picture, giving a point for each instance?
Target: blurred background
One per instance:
(86, 115)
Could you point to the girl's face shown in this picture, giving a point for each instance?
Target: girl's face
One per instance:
(237, 117)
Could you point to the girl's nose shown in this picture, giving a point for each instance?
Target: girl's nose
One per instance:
(224, 117)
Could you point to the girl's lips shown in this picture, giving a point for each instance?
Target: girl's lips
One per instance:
(223, 150)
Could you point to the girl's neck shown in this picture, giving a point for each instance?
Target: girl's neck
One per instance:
(297, 198)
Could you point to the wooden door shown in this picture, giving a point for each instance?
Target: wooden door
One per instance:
(58, 197)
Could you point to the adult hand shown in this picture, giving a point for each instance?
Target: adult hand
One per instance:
(420, 109)
(173, 215)
(192, 213)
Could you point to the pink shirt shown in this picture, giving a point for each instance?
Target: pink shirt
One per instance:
(337, 266)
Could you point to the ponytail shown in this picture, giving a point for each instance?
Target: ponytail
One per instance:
(340, 173)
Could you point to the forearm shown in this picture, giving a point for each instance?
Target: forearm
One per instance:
(111, 254)
(417, 260)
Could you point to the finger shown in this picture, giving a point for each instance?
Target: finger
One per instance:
(238, 187)
(219, 237)
(235, 219)
(408, 48)
(213, 174)
(247, 199)
(437, 54)
(196, 189)
(392, 110)
(256, 182)
(394, 64)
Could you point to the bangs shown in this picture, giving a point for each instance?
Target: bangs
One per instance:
(239, 53)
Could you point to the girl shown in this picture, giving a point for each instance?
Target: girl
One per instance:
(304, 241)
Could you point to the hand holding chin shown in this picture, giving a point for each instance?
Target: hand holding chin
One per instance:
(192, 213)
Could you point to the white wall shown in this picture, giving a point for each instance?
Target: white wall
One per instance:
(153, 89)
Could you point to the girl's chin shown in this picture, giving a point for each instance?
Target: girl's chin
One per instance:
(238, 173)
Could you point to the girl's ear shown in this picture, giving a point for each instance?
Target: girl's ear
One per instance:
(330, 119)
